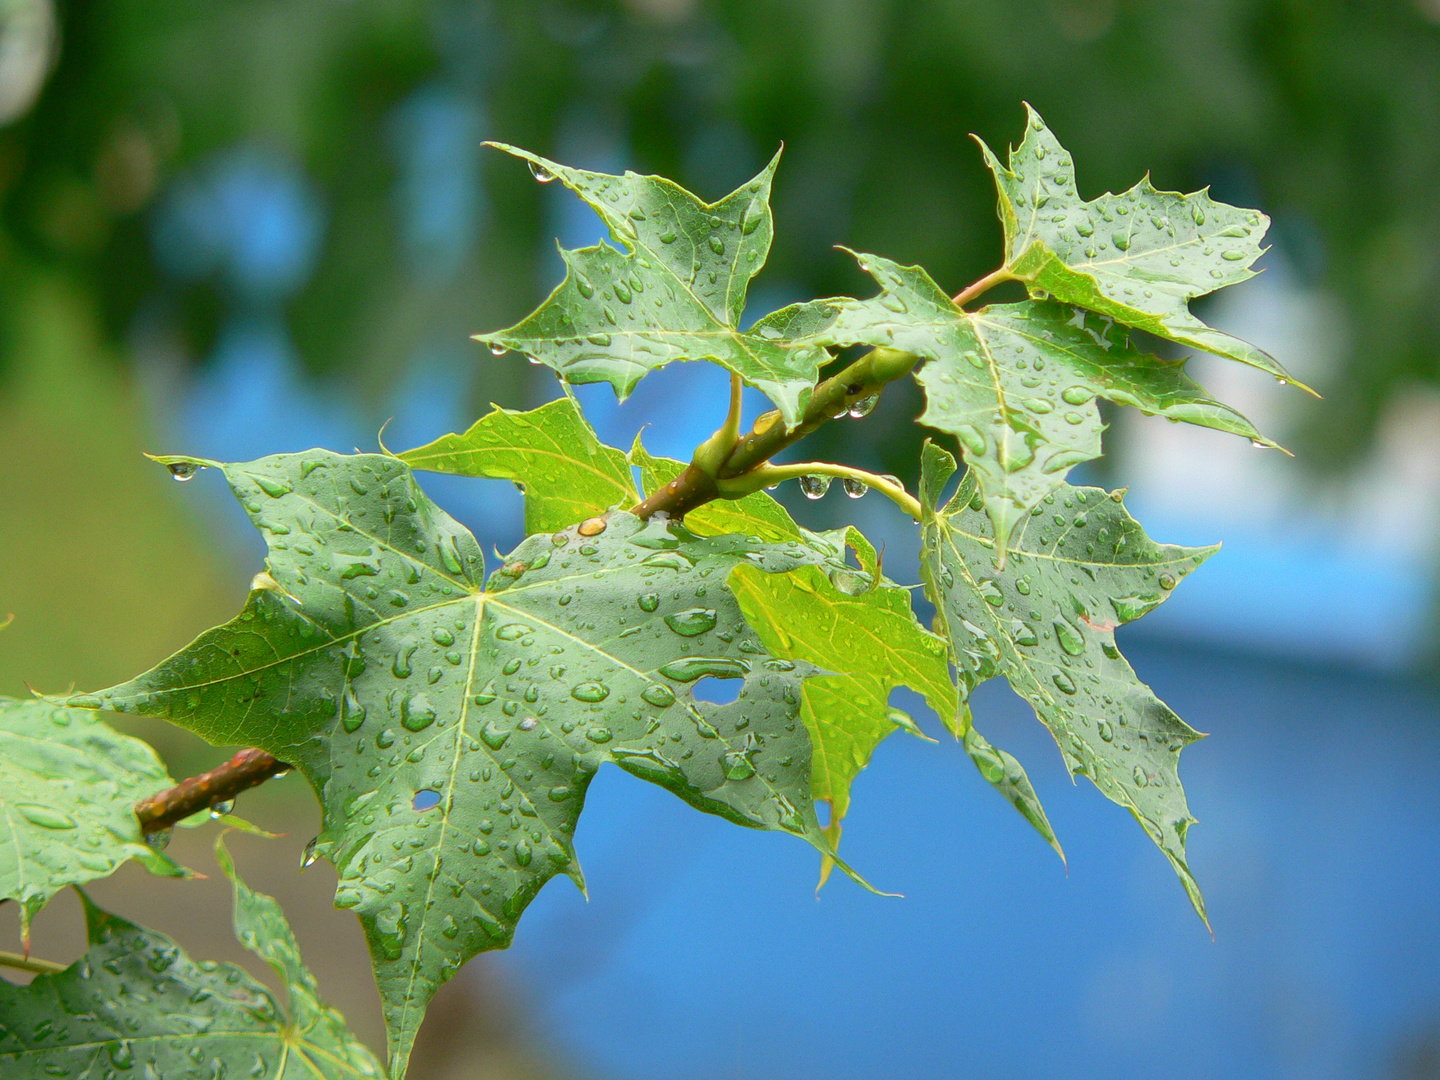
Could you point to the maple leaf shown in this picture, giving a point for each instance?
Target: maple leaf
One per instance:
(1139, 257)
(1080, 566)
(68, 788)
(135, 1002)
(1016, 383)
(451, 730)
(551, 453)
(675, 292)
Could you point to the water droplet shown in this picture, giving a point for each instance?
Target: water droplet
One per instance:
(622, 292)
(1076, 395)
(498, 350)
(863, 407)
(1167, 581)
(1070, 639)
(540, 172)
(1109, 649)
(1022, 633)
(738, 766)
(668, 236)
(814, 487)
(602, 340)
(493, 735)
(221, 808)
(310, 854)
(45, 817)
(441, 636)
(692, 622)
(523, 852)
(658, 695)
(1105, 730)
(649, 601)
(754, 216)
(991, 593)
(416, 713)
(274, 488)
(1063, 682)
(592, 526)
(1130, 608)
(599, 735)
(183, 470)
(159, 839)
(1022, 586)
(1232, 255)
(512, 631)
(1141, 780)
(690, 668)
(856, 489)
(717, 245)
(1121, 241)
(590, 691)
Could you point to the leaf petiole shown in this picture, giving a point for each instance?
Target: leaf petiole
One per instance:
(985, 284)
(30, 964)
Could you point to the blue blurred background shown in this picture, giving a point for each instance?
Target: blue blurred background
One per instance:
(238, 227)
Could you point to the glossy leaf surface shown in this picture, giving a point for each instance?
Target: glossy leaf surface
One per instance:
(1079, 567)
(451, 730)
(1139, 257)
(136, 1005)
(68, 788)
(674, 290)
(1016, 383)
(551, 452)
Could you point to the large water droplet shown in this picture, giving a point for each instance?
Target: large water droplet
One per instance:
(183, 470)
(1070, 639)
(1063, 682)
(416, 713)
(649, 601)
(658, 695)
(856, 489)
(221, 808)
(540, 172)
(45, 817)
(590, 691)
(814, 487)
(310, 854)
(691, 668)
(692, 622)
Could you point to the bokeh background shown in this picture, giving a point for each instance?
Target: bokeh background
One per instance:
(235, 227)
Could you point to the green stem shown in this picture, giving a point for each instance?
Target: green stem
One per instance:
(712, 453)
(25, 963)
(768, 475)
(986, 283)
(833, 398)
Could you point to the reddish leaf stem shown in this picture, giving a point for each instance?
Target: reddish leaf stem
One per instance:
(221, 784)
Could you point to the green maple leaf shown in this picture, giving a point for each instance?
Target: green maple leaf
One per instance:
(1080, 566)
(676, 291)
(1139, 257)
(451, 730)
(858, 627)
(1016, 383)
(136, 1004)
(68, 788)
(551, 452)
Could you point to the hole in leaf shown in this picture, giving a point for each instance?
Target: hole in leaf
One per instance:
(718, 691)
(425, 799)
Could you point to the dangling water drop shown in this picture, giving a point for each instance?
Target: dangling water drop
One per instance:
(856, 489)
(309, 855)
(221, 808)
(540, 172)
(183, 470)
(814, 487)
(498, 350)
(863, 407)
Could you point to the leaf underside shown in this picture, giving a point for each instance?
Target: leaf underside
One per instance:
(136, 1004)
(68, 788)
(1079, 566)
(673, 290)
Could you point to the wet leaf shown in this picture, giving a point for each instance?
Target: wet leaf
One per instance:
(1139, 257)
(551, 452)
(136, 1005)
(674, 290)
(1080, 565)
(68, 788)
(1016, 383)
(451, 730)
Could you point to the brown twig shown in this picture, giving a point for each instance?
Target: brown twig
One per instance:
(221, 784)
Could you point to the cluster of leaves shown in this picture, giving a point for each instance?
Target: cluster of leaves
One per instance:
(450, 722)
